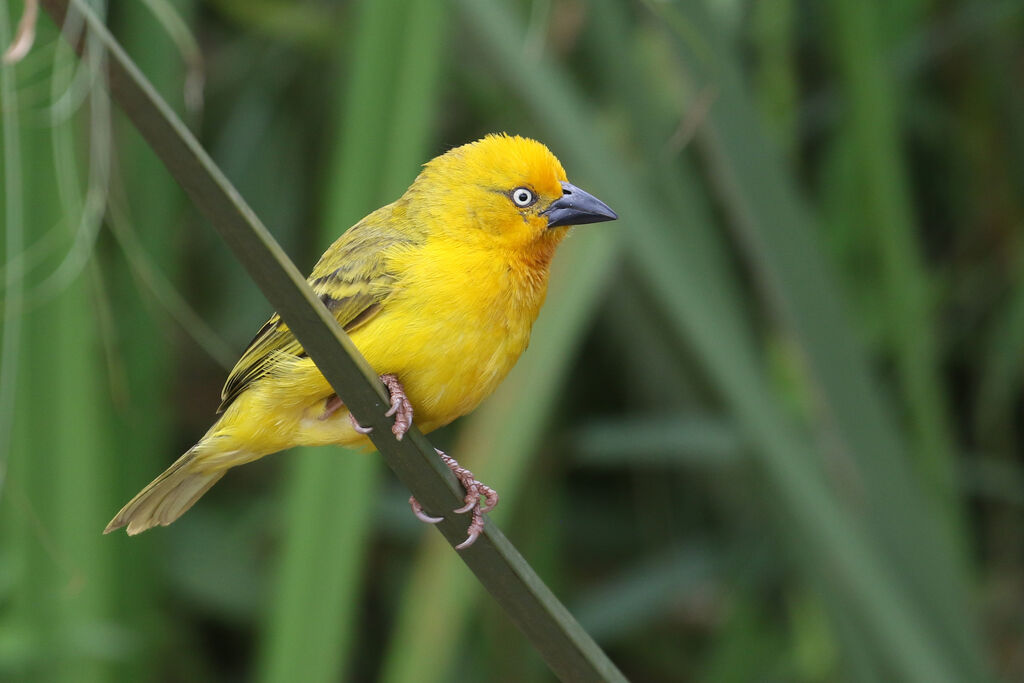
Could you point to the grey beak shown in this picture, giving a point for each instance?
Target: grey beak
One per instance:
(576, 207)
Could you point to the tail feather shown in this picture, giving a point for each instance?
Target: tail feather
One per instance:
(167, 497)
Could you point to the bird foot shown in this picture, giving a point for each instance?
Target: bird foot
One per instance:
(401, 408)
(475, 494)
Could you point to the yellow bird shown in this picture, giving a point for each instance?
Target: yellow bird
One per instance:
(438, 290)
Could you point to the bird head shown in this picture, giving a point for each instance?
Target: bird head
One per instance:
(507, 191)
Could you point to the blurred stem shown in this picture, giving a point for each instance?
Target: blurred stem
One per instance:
(306, 24)
(911, 620)
(14, 244)
(60, 458)
(26, 607)
(886, 211)
(78, 390)
(1001, 367)
(307, 634)
(383, 124)
(144, 409)
(776, 231)
(775, 69)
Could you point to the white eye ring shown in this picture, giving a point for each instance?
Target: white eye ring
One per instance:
(522, 196)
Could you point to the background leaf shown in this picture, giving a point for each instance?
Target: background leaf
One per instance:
(768, 423)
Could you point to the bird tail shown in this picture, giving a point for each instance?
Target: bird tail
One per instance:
(168, 496)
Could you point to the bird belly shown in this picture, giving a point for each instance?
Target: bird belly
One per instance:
(446, 366)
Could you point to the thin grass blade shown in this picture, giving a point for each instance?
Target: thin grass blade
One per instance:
(568, 650)
(381, 135)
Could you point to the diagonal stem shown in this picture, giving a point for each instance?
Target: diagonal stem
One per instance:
(566, 647)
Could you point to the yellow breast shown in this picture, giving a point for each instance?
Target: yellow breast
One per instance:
(456, 324)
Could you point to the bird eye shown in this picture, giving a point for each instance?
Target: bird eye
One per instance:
(523, 196)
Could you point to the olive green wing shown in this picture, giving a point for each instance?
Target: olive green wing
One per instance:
(352, 279)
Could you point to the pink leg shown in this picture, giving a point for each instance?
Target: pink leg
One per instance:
(417, 510)
(475, 492)
(401, 408)
(331, 407)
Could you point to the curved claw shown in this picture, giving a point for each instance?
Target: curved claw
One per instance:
(471, 499)
(417, 510)
(470, 540)
(476, 527)
(358, 427)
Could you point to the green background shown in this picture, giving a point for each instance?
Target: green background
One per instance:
(768, 427)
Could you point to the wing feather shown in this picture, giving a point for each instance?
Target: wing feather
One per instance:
(352, 279)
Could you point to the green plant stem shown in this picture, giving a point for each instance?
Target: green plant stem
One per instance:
(153, 209)
(568, 650)
(381, 135)
(886, 212)
(14, 243)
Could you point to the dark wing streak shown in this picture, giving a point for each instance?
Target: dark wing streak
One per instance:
(358, 267)
(276, 338)
(255, 362)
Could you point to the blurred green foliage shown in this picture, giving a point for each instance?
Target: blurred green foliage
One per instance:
(769, 424)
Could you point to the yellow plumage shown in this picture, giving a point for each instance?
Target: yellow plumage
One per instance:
(439, 288)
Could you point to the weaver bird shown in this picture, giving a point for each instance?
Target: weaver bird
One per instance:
(438, 290)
